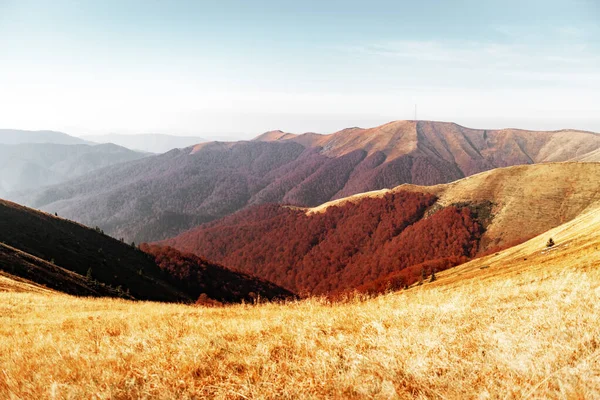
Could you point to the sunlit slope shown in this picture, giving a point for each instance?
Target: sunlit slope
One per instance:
(592, 156)
(527, 200)
(577, 246)
(11, 283)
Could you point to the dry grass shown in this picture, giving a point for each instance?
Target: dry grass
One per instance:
(529, 336)
(521, 324)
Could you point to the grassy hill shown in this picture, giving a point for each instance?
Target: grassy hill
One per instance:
(520, 324)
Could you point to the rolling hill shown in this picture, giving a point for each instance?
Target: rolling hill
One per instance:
(33, 165)
(149, 142)
(161, 196)
(72, 258)
(351, 242)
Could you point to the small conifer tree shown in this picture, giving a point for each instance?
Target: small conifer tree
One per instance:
(423, 276)
(89, 274)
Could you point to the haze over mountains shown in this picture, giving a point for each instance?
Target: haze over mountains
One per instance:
(160, 196)
(150, 142)
(34, 165)
(15, 136)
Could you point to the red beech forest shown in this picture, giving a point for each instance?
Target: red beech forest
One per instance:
(341, 249)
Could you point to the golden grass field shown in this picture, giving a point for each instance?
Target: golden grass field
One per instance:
(521, 324)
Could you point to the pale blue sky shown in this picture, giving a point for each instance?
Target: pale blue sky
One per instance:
(219, 67)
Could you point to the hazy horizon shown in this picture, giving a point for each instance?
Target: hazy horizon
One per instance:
(236, 69)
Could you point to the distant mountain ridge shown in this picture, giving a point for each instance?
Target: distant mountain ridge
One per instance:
(33, 165)
(15, 136)
(160, 196)
(148, 142)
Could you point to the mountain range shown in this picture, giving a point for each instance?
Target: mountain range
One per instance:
(161, 196)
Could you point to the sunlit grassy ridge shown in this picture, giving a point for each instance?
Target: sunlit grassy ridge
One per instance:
(499, 327)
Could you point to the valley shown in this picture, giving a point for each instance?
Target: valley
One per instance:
(501, 326)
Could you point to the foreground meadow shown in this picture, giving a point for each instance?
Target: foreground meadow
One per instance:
(529, 336)
(523, 323)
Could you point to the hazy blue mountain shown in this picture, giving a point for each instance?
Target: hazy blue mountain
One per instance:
(32, 165)
(153, 143)
(14, 136)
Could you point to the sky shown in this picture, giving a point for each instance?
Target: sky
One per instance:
(238, 68)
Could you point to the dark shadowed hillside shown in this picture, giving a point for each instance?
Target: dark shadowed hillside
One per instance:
(46, 273)
(72, 258)
(79, 249)
(161, 196)
(205, 280)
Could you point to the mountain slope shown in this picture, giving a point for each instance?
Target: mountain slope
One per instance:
(62, 255)
(347, 243)
(79, 249)
(14, 136)
(161, 196)
(577, 246)
(30, 269)
(592, 156)
(150, 142)
(33, 165)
